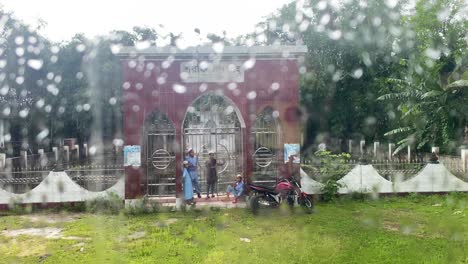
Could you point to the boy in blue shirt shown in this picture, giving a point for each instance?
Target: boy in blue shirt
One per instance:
(237, 190)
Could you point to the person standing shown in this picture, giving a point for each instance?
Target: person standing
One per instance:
(211, 174)
(193, 170)
(188, 189)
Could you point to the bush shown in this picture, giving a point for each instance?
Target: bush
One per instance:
(143, 206)
(111, 204)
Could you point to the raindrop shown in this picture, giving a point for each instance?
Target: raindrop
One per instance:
(376, 21)
(275, 86)
(228, 110)
(218, 47)
(80, 47)
(275, 114)
(204, 65)
(19, 40)
(249, 63)
(142, 45)
(139, 86)
(251, 95)
(178, 88)
(391, 3)
(79, 108)
(58, 79)
(232, 86)
(48, 108)
(19, 52)
(136, 108)
(203, 87)
(325, 19)
(55, 49)
(433, 53)
(161, 80)
(50, 75)
(126, 85)
(79, 75)
(3, 63)
(86, 107)
(112, 101)
(32, 39)
(20, 80)
(42, 135)
(322, 5)
(61, 110)
(184, 75)
(304, 25)
(132, 64)
(337, 76)
(35, 64)
(24, 113)
(7, 137)
(6, 111)
(92, 150)
(357, 73)
(118, 142)
(40, 103)
(53, 59)
(4, 90)
(335, 35)
(115, 48)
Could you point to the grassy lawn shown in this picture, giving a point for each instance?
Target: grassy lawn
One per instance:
(414, 229)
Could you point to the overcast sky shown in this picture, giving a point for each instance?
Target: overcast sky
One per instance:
(93, 17)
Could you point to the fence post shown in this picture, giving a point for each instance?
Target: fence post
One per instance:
(409, 154)
(361, 146)
(376, 149)
(464, 158)
(41, 157)
(77, 157)
(350, 146)
(24, 157)
(2, 161)
(55, 150)
(66, 151)
(85, 150)
(390, 151)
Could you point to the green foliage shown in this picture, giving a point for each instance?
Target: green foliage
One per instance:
(110, 204)
(331, 168)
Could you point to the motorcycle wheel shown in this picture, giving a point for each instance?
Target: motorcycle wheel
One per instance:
(307, 204)
(258, 202)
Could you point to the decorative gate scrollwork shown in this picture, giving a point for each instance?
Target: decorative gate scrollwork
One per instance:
(160, 155)
(211, 124)
(266, 142)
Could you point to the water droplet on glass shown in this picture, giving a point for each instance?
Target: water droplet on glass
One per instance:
(35, 64)
(136, 108)
(86, 107)
(42, 135)
(19, 40)
(357, 73)
(433, 53)
(48, 108)
(6, 111)
(55, 49)
(321, 5)
(80, 47)
(92, 150)
(139, 86)
(218, 47)
(335, 35)
(251, 95)
(126, 85)
(325, 19)
(112, 101)
(391, 3)
(118, 142)
(140, 45)
(79, 75)
(203, 87)
(178, 88)
(19, 52)
(4, 90)
(232, 86)
(20, 80)
(40, 103)
(275, 86)
(248, 64)
(24, 113)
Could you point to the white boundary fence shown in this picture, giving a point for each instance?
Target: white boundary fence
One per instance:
(433, 178)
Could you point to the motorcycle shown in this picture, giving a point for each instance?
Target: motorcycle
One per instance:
(286, 190)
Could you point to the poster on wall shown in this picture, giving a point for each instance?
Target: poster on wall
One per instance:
(132, 156)
(294, 150)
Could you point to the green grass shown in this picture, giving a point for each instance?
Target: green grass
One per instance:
(387, 230)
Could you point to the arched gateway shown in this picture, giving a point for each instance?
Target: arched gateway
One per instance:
(241, 104)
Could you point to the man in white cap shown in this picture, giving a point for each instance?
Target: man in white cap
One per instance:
(193, 170)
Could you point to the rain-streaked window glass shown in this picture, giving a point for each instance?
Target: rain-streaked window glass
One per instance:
(329, 131)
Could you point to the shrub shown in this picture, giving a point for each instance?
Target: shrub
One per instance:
(111, 204)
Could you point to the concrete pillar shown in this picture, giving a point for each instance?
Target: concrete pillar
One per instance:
(350, 146)
(464, 158)
(85, 150)
(409, 154)
(2, 138)
(390, 150)
(77, 155)
(55, 150)
(66, 153)
(2, 161)
(24, 157)
(362, 146)
(376, 149)
(42, 158)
